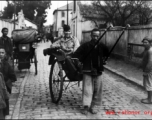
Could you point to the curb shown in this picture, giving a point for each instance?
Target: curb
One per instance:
(16, 112)
(123, 76)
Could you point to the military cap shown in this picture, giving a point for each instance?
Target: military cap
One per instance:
(66, 28)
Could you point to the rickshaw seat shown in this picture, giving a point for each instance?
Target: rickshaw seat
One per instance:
(71, 66)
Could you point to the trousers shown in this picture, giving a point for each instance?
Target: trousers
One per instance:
(147, 81)
(92, 90)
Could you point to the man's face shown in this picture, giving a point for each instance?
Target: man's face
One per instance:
(146, 44)
(95, 35)
(67, 34)
(5, 32)
(2, 53)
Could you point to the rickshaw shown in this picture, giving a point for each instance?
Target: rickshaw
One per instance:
(65, 70)
(62, 73)
(25, 43)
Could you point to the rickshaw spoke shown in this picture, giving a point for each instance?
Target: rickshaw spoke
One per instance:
(73, 84)
(67, 86)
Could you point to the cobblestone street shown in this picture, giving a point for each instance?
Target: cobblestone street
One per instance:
(31, 99)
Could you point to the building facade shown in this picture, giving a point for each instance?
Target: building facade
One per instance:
(30, 24)
(78, 21)
(20, 23)
(24, 22)
(61, 16)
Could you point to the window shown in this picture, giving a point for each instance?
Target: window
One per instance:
(62, 23)
(63, 14)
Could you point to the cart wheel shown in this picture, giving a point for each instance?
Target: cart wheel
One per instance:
(35, 62)
(56, 81)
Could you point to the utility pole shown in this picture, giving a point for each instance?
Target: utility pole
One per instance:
(67, 12)
(14, 13)
(56, 19)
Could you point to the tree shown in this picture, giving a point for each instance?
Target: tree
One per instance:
(120, 13)
(88, 13)
(145, 14)
(33, 10)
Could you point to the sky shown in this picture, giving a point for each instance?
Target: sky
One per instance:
(55, 4)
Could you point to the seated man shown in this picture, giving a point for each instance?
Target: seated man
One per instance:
(67, 43)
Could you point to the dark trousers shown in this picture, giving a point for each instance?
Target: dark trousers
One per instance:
(6, 110)
(2, 114)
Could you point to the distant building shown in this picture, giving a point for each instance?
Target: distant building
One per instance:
(20, 23)
(80, 22)
(60, 16)
(77, 20)
(24, 22)
(30, 24)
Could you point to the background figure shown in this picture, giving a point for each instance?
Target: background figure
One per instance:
(6, 42)
(4, 96)
(147, 68)
(9, 76)
(92, 71)
(50, 36)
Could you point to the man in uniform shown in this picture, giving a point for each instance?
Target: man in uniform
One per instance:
(67, 43)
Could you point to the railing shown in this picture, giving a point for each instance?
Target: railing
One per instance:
(130, 49)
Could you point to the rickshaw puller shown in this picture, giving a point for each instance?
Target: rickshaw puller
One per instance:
(92, 72)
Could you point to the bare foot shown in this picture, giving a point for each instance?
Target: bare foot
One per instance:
(85, 110)
(93, 111)
(146, 101)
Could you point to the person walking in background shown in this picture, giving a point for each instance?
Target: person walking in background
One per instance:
(50, 36)
(147, 68)
(92, 71)
(6, 42)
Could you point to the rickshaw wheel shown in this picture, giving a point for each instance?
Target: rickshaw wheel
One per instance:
(56, 82)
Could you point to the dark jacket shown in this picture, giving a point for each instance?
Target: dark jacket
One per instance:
(7, 44)
(93, 62)
(9, 74)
